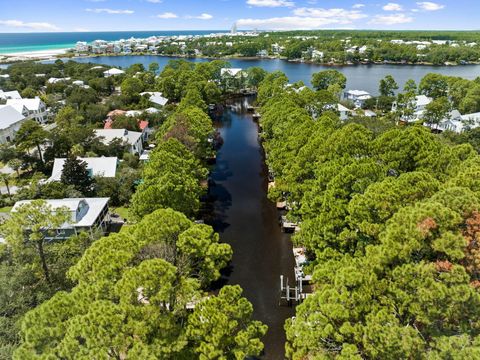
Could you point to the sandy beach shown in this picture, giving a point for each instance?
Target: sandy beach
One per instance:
(29, 55)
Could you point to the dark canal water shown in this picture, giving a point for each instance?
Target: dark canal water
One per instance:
(362, 77)
(247, 220)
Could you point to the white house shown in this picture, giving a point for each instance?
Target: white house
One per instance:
(132, 138)
(418, 105)
(37, 109)
(10, 122)
(96, 166)
(155, 97)
(344, 112)
(233, 72)
(358, 97)
(453, 122)
(86, 214)
(113, 72)
(5, 95)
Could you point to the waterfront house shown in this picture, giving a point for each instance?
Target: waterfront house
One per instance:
(358, 97)
(37, 110)
(418, 105)
(113, 72)
(10, 122)
(132, 138)
(85, 215)
(96, 167)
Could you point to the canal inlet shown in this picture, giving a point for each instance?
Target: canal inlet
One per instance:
(248, 221)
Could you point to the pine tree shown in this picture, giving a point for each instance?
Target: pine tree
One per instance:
(75, 173)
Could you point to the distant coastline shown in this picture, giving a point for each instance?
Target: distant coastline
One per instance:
(63, 53)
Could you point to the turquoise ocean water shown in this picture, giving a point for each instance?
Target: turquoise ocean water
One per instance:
(23, 42)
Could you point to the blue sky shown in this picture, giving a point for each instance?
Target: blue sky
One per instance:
(117, 15)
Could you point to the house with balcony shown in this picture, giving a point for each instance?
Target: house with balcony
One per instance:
(358, 97)
(85, 215)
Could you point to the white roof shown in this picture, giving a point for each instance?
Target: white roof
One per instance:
(30, 104)
(230, 71)
(152, 110)
(97, 166)
(342, 108)
(10, 94)
(133, 113)
(78, 82)
(358, 93)
(156, 97)
(84, 211)
(114, 71)
(471, 117)
(9, 116)
(54, 80)
(130, 137)
(422, 100)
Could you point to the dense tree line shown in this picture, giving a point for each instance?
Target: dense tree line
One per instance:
(389, 219)
(144, 292)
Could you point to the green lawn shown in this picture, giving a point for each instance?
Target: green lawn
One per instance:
(122, 211)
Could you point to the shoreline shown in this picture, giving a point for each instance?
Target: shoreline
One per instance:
(32, 55)
(65, 53)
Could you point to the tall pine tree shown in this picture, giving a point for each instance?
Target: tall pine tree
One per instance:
(75, 173)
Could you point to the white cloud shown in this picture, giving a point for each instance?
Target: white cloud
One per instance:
(429, 6)
(203, 16)
(271, 3)
(167, 15)
(29, 25)
(392, 7)
(306, 18)
(111, 11)
(336, 15)
(391, 19)
(154, 1)
(358, 6)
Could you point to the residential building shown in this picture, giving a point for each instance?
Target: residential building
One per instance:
(358, 97)
(418, 105)
(113, 72)
(233, 72)
(37, 109)
(344, 112)
(96, 166)
(10, 122)
(5, 95)
(85, 215)
(155, 98)
(132, 138)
